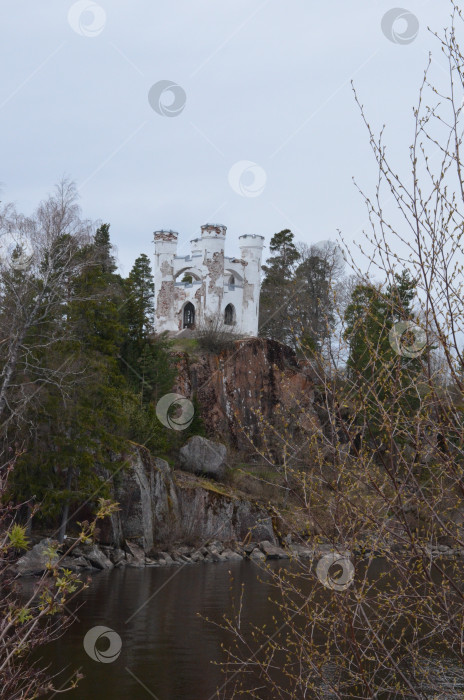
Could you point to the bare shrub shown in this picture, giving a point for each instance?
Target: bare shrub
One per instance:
(380, 480)
(214, 336)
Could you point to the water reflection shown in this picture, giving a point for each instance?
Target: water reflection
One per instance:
(169, 651)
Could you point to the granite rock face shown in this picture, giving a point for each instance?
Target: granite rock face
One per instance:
(246, 384)
(202, 456)
(160, 506)
(206, 513)
(148, 506)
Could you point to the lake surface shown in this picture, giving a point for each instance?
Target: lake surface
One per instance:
(168, 650)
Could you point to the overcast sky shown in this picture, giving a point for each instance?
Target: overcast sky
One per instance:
(262, 132)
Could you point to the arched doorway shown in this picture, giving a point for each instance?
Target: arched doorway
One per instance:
(229, 315)
(189, 315)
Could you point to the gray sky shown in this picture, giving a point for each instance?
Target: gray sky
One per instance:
(262, 81)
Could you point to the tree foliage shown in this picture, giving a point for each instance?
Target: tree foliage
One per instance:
(298, 303)
(80, 368)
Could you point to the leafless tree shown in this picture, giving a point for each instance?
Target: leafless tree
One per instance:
(379, 481)
(40, 256)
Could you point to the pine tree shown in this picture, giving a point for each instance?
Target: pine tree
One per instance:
(145, 358)
(380, 375)
(140, 305)
(278, 289)
(316, 277)
(103, 248)
(280, 266)
(77, 432)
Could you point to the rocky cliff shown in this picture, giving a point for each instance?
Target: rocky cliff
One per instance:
(162, 506)
(243, 386)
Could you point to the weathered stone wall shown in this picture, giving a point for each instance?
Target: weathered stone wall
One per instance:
(165, 249)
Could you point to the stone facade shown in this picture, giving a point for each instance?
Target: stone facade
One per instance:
(192, 290)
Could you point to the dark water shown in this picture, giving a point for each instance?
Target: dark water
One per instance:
(168, 650)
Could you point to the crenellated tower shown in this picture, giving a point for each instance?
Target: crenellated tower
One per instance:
(192, 290)
(165, 253)
(213, 237)
(251, 249)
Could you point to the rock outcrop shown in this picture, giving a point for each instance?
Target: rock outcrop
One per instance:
(207, 512)
(36, 559)
(49, 552)
(160, 506)
(204, 457)
(246, 385)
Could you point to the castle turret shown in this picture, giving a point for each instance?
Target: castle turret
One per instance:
(193, 290)
(165, 250)
(212, 245)
(251, 248)
(213, 238)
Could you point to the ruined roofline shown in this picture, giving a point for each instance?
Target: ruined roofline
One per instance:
(213, 229)
(165, 236)
(251, 235)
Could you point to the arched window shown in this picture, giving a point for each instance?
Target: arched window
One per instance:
(231, 281)
(189, 315)
(229, 315)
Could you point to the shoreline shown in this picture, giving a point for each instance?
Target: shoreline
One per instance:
(98, 557)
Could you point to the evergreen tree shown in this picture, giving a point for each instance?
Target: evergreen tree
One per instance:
(103, 248)
(280, 266)
(140, 303)
(278, 289)
(87, 425)
(145, 358)
(81, 316)
(385, 381)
